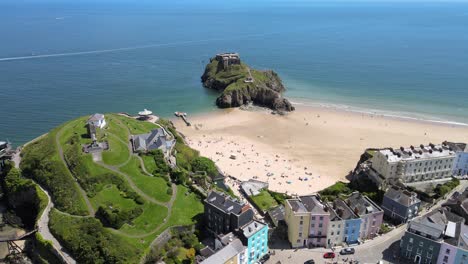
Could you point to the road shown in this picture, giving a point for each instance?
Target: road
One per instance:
(383, 247)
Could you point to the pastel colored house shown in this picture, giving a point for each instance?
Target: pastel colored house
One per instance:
(97, 120)
(319, 220)
(433, 238)
(307, 219)
(335, 232)
(370, 213)
(351, 221)
(460, 165)
(297, 219)
(400, 205)
(254, 236)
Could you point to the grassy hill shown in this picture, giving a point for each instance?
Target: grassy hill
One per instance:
(107, 210)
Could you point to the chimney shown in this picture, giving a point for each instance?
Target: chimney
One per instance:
(356, 211)
(422, 146)
(402, 148)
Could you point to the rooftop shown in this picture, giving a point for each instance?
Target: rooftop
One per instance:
(253, 187)
(361, 204)
(95, 117)
(313, 204)
(226, 253)
(402, 196)
(422, 152)
(251, 228)
(439, 224)
(458, 199)
(296, 205)
(277, 214)
(341, 210)
(226, 203)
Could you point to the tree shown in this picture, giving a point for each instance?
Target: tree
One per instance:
(204, 164)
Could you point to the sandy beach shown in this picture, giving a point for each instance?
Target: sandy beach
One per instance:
(307, 150)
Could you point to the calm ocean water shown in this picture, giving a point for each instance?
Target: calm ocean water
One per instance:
(405, 59)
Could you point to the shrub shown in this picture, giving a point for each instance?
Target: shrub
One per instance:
(205, 164)
(116, 217)
(160, 161)
(39, 164)
(89, 242)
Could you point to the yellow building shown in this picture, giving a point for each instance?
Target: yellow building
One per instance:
(298, 220)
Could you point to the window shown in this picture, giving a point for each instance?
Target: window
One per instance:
(445, 259)
(300, 234)
(338, 232)
(301, 222)
(321, 218)
(313, 217)
(302, 217)
(332, 233)
(447, 251)
(298, 241)
(320, 225)
(421, 244)
(312, 225)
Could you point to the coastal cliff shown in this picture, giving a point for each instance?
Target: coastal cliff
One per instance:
(241, 85)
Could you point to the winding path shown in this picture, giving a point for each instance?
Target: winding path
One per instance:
(43, 229)
(83, 193)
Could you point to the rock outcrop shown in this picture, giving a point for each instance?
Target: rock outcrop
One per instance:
(241, 85)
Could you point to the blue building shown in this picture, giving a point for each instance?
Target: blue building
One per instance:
(351, 221)
(254, 236)
(400, 205)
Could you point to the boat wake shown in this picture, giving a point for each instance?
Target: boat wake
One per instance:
(171, 44)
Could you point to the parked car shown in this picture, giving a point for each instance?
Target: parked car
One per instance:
(264, 258)
(329, 255)
(310, 261)
(347, 251)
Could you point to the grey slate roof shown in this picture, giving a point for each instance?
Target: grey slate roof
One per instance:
(342, 210)
(402, 196)
(435, 223)
(251, 228)
(95, 117)
(277, 214)
(156, 139)
(224, 203)
(297, 206)
(361, 204)
(228, 252)
(313, 204)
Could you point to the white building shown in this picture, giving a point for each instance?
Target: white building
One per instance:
(460, 165)
(415, 164)
(97, 120)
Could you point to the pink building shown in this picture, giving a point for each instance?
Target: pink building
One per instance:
(319, 220)
(370, 213)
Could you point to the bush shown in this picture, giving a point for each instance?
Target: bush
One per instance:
(39, 164)
(160, 161)
(89, 242)
(185, 155)
(23, 197)
(443, 189)
(334, 191)
(206, 165)
(179, 176)
(116, 217)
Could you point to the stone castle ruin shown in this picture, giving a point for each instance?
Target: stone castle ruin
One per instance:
(228, 59)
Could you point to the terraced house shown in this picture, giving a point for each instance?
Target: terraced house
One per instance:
(307, 219)
(370, 213)
(400, 205)
(348, 229)
(413, 164)
(439, 237)
(223, 214)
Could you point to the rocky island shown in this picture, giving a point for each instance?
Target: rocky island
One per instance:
(241, 85)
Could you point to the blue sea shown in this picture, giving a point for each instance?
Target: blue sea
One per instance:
(63, 59)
